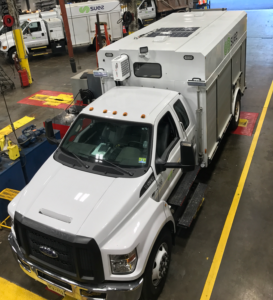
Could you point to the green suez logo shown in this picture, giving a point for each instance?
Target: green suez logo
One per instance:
(230, 42)
(87, 9)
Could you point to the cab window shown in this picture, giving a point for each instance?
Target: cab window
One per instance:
(167, 136)
(181, 113)
(34, 27)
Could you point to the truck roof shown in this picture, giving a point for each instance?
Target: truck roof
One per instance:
(135, 101)
(192, 32)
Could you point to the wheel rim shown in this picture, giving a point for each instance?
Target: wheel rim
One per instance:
(161, 264)
(237, 111)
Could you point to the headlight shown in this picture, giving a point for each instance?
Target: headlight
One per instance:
(123, 264)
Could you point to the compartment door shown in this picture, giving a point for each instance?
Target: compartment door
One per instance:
(79, 31)
(115, 27)
(243, 65)
(103, 18)
(224, 98)
(211, 119)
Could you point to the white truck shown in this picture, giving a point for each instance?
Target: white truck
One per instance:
(98, 219)
(46, 34)
(152, 10)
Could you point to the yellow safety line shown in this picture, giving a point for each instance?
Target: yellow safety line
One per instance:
(11, 291)
(7, 130)
(232, 211)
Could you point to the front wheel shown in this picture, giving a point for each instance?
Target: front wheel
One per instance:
(11, 54)
(236, 114)
(157, 267)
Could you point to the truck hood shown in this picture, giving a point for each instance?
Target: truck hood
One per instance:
(76, 201)
(7, 36)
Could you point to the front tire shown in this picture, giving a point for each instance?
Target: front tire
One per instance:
(11, 55)
(236, 114)
(157, 266)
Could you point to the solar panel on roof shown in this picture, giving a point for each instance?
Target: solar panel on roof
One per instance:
(173, 31)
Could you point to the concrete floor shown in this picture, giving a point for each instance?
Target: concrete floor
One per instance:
(246, 271)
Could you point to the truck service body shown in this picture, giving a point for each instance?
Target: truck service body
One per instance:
(98, 219)
(40, 33)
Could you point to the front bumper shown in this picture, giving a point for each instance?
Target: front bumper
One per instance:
(109, 290)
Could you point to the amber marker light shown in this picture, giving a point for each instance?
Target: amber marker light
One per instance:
(143, 116)
(125, 114)
(91, 108)
(105, 111)
(114, 112)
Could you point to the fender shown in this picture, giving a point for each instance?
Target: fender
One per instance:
(141, 233)
(237, 90)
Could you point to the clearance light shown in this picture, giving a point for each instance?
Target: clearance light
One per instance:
(105, 111)
(114, 112)
(125, 114)
(5, 47)
(143, 116)
(91, 108)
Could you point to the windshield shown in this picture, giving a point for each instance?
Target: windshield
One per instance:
(24, 25)
(125, 144)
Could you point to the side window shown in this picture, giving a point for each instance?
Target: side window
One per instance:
(166, 134)
(149, 2)
(181, 113)
(35, 26)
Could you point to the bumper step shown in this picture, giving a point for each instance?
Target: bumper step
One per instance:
(193, 206)
(179, 195)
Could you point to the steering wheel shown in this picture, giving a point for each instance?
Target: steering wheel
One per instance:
(135, 142)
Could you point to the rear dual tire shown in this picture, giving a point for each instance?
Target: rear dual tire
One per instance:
(236, 114)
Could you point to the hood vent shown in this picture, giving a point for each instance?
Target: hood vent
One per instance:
(55, 215)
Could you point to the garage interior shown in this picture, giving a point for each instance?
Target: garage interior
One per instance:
(245, 268)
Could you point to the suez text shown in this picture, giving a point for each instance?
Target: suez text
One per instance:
(100, 7)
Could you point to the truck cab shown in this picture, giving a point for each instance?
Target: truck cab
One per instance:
(147, 12)
(103, 187)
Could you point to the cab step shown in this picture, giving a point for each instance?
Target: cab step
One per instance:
(193, 206)
(179, 195)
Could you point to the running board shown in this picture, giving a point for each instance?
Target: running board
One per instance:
(179, 195)
(43, 47)
(193, 206)
(44, 53)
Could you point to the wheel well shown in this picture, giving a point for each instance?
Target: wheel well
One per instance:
(171, 227)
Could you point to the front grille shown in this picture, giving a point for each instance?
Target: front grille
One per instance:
(79, 260)
(65, 259)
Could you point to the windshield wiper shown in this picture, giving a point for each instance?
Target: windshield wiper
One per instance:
(76, 156)
(114, 165)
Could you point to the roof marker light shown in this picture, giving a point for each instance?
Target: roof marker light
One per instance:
(143, 116)
(105, 111)
(114, 112)
(91, 108)
(125, 114)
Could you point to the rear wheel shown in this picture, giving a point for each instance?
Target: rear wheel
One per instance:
(157, 266)
(236, 114)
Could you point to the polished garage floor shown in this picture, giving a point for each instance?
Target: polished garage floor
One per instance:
(246, 269)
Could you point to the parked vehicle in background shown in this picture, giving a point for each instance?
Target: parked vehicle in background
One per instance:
(152, 10)
(45, 34)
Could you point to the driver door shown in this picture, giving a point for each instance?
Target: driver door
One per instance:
(34, 36)
(167, 143)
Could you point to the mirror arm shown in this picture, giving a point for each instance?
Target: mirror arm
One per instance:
(53, 141)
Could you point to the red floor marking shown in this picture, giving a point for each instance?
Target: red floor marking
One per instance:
(248, 130)
(41, 103)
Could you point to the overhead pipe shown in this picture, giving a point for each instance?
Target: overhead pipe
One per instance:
(68, 37)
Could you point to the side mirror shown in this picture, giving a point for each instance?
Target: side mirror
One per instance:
(187, 163)
(49, 132)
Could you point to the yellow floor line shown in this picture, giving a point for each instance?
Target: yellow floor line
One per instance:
(7, 130)
(228, 224)
(11, 291)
